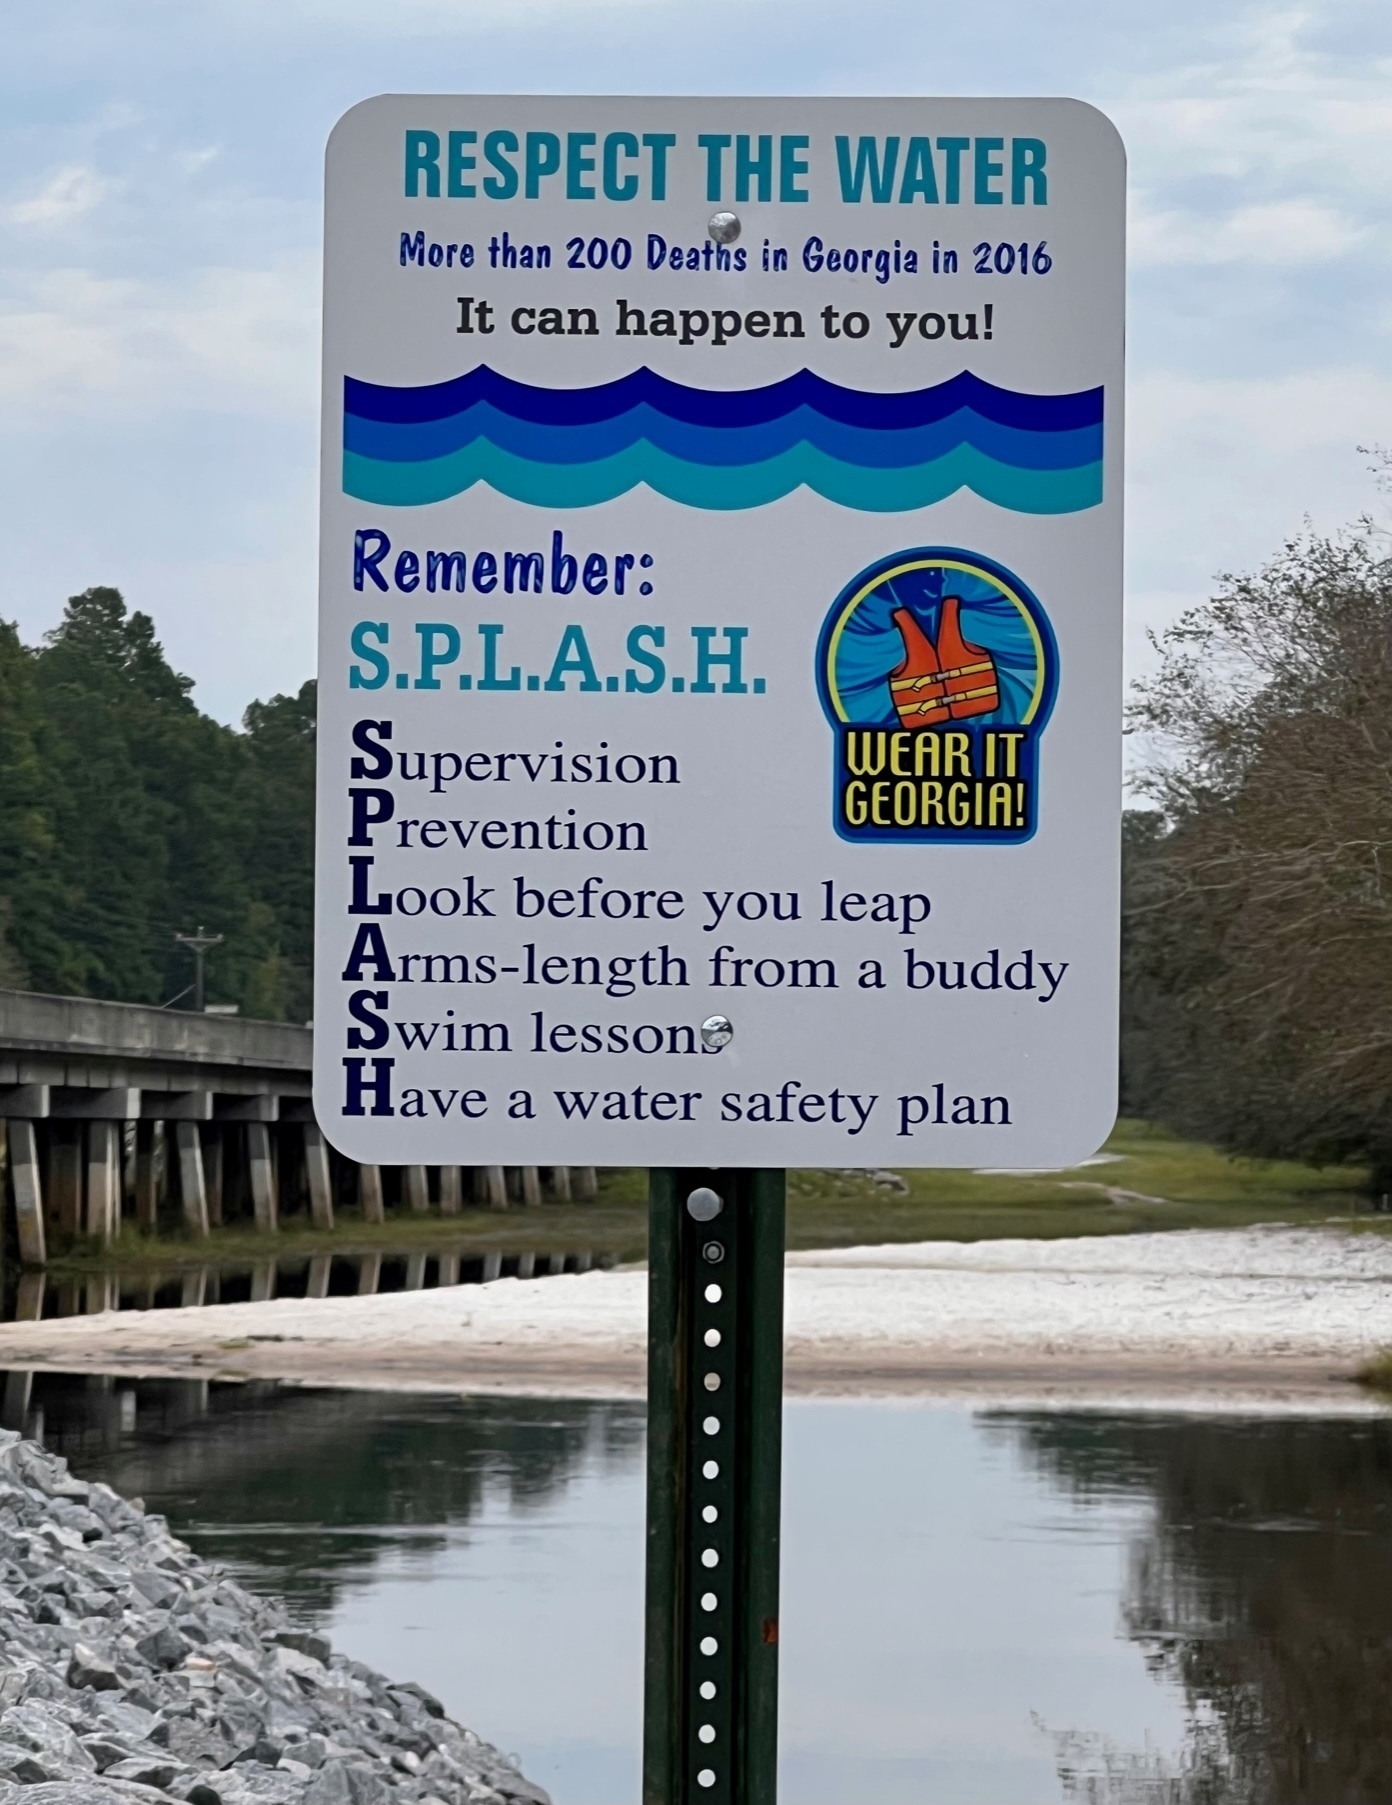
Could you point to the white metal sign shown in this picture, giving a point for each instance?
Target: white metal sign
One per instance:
(720, 631)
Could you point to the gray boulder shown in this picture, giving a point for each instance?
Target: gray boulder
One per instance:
(132, 1670)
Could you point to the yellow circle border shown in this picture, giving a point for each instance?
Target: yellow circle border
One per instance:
(899, 570)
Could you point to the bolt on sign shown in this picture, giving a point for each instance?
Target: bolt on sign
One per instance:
(720, 631)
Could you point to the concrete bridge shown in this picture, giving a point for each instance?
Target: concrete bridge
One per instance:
(116, 1111)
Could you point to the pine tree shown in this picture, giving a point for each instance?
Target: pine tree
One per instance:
(127, 816)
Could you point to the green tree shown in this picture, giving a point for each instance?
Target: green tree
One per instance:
(1259, 897)
(26, 839)
(126, 816)
(279, 858)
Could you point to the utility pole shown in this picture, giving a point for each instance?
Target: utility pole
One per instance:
(198, 944)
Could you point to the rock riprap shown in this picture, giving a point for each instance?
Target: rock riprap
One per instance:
(132, 1670)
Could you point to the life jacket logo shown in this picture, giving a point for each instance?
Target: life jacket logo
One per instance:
(937, 670)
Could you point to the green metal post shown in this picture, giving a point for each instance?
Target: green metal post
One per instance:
(715, 1399)
(662, 1653)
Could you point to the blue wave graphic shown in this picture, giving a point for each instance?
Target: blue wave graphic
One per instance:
(722, 449)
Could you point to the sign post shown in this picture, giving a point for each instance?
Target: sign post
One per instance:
(720, 610)
(715, 1402)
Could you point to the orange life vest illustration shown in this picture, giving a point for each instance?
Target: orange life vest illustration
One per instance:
(947, 682)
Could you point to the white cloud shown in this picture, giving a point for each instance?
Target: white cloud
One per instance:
(1277, 232)
(1266, 152)
(65, 196)
(152, 277)
(240, 340)
(1335, 133)
(194, 162)
(1303, 416)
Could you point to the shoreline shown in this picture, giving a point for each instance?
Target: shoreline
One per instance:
(1255, 1388)
(1256, 1318)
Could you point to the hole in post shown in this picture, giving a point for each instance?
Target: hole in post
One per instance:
(709, 1601)
(713, 1294)
(706, 1777)
(709, 1645)
(706, 1732)
(707, 1688)
(711, 1381)
(711, 1470)
(711, 1338)
(711, 1425)
(709, 1558)
(709, 1514)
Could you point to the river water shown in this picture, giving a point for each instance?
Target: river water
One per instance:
(1013, 1606)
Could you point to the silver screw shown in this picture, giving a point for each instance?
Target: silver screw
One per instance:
(724, 228)
(717, 1031)
(704, 1205)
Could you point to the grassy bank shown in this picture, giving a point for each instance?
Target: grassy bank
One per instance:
(1147, 1180)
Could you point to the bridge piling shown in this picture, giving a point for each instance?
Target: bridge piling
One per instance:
(213, 1163)
(28, 1193)
(65, 1176)
(262, 1176)
(316, 1154)
(146, 1196)
(192, 1192)
(370, 1194)
(30, 1295)
(103, 1182)
(117, 1112)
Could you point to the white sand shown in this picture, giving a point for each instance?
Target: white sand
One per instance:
(1265, 1314)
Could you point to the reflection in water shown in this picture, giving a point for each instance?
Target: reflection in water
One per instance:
(304, 1490)
(1262, 1586)
(485, 1547)
(993, 1609)
(32, 1296)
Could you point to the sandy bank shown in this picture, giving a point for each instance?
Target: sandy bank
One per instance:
(1256, 1315)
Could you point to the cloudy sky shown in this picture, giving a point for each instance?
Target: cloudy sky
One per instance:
(159, 234)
